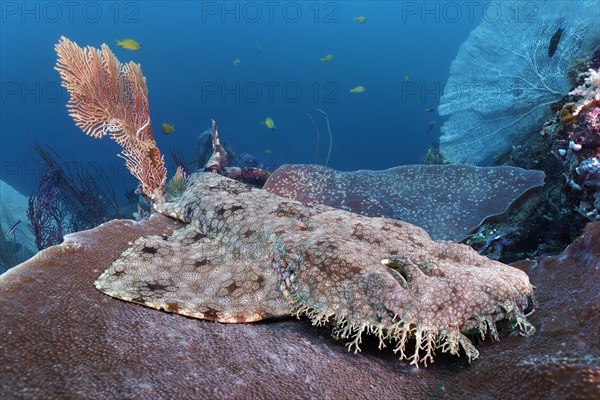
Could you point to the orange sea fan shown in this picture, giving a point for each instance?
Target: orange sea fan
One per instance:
(111, 98)
(145, 162)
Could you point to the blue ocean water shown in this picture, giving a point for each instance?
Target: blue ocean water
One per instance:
(401, 55)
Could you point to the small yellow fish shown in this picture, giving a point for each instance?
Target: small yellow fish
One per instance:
(358, 89)
(327, 58)
(258, 48)
(129, 44)
(361, 19)
(427, 109)
(167, 129)
(236, 61)
(406, 78)
(269, 123)
(268, 151)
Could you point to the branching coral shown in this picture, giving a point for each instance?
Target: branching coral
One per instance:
(110, 98)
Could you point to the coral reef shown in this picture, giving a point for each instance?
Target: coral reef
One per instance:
(390, 279)
(568, 151)
(242, 167)
(502, 82)
(589, 93)
(448, 201)
(575, 144)
(84, 345)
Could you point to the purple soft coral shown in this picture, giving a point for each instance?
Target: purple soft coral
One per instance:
(45, 213)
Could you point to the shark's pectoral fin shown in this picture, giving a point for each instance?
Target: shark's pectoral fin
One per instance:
(186, 273)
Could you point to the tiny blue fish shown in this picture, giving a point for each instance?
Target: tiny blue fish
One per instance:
(11, 230)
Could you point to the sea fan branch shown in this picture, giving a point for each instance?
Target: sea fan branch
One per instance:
(110, 98)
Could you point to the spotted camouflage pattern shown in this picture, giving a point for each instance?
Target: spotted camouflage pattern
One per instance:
(246, 254)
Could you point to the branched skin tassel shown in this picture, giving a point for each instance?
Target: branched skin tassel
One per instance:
(247, 255)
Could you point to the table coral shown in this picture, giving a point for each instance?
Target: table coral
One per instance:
(448, 201)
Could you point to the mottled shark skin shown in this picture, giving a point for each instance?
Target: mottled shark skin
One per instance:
(246, 254)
